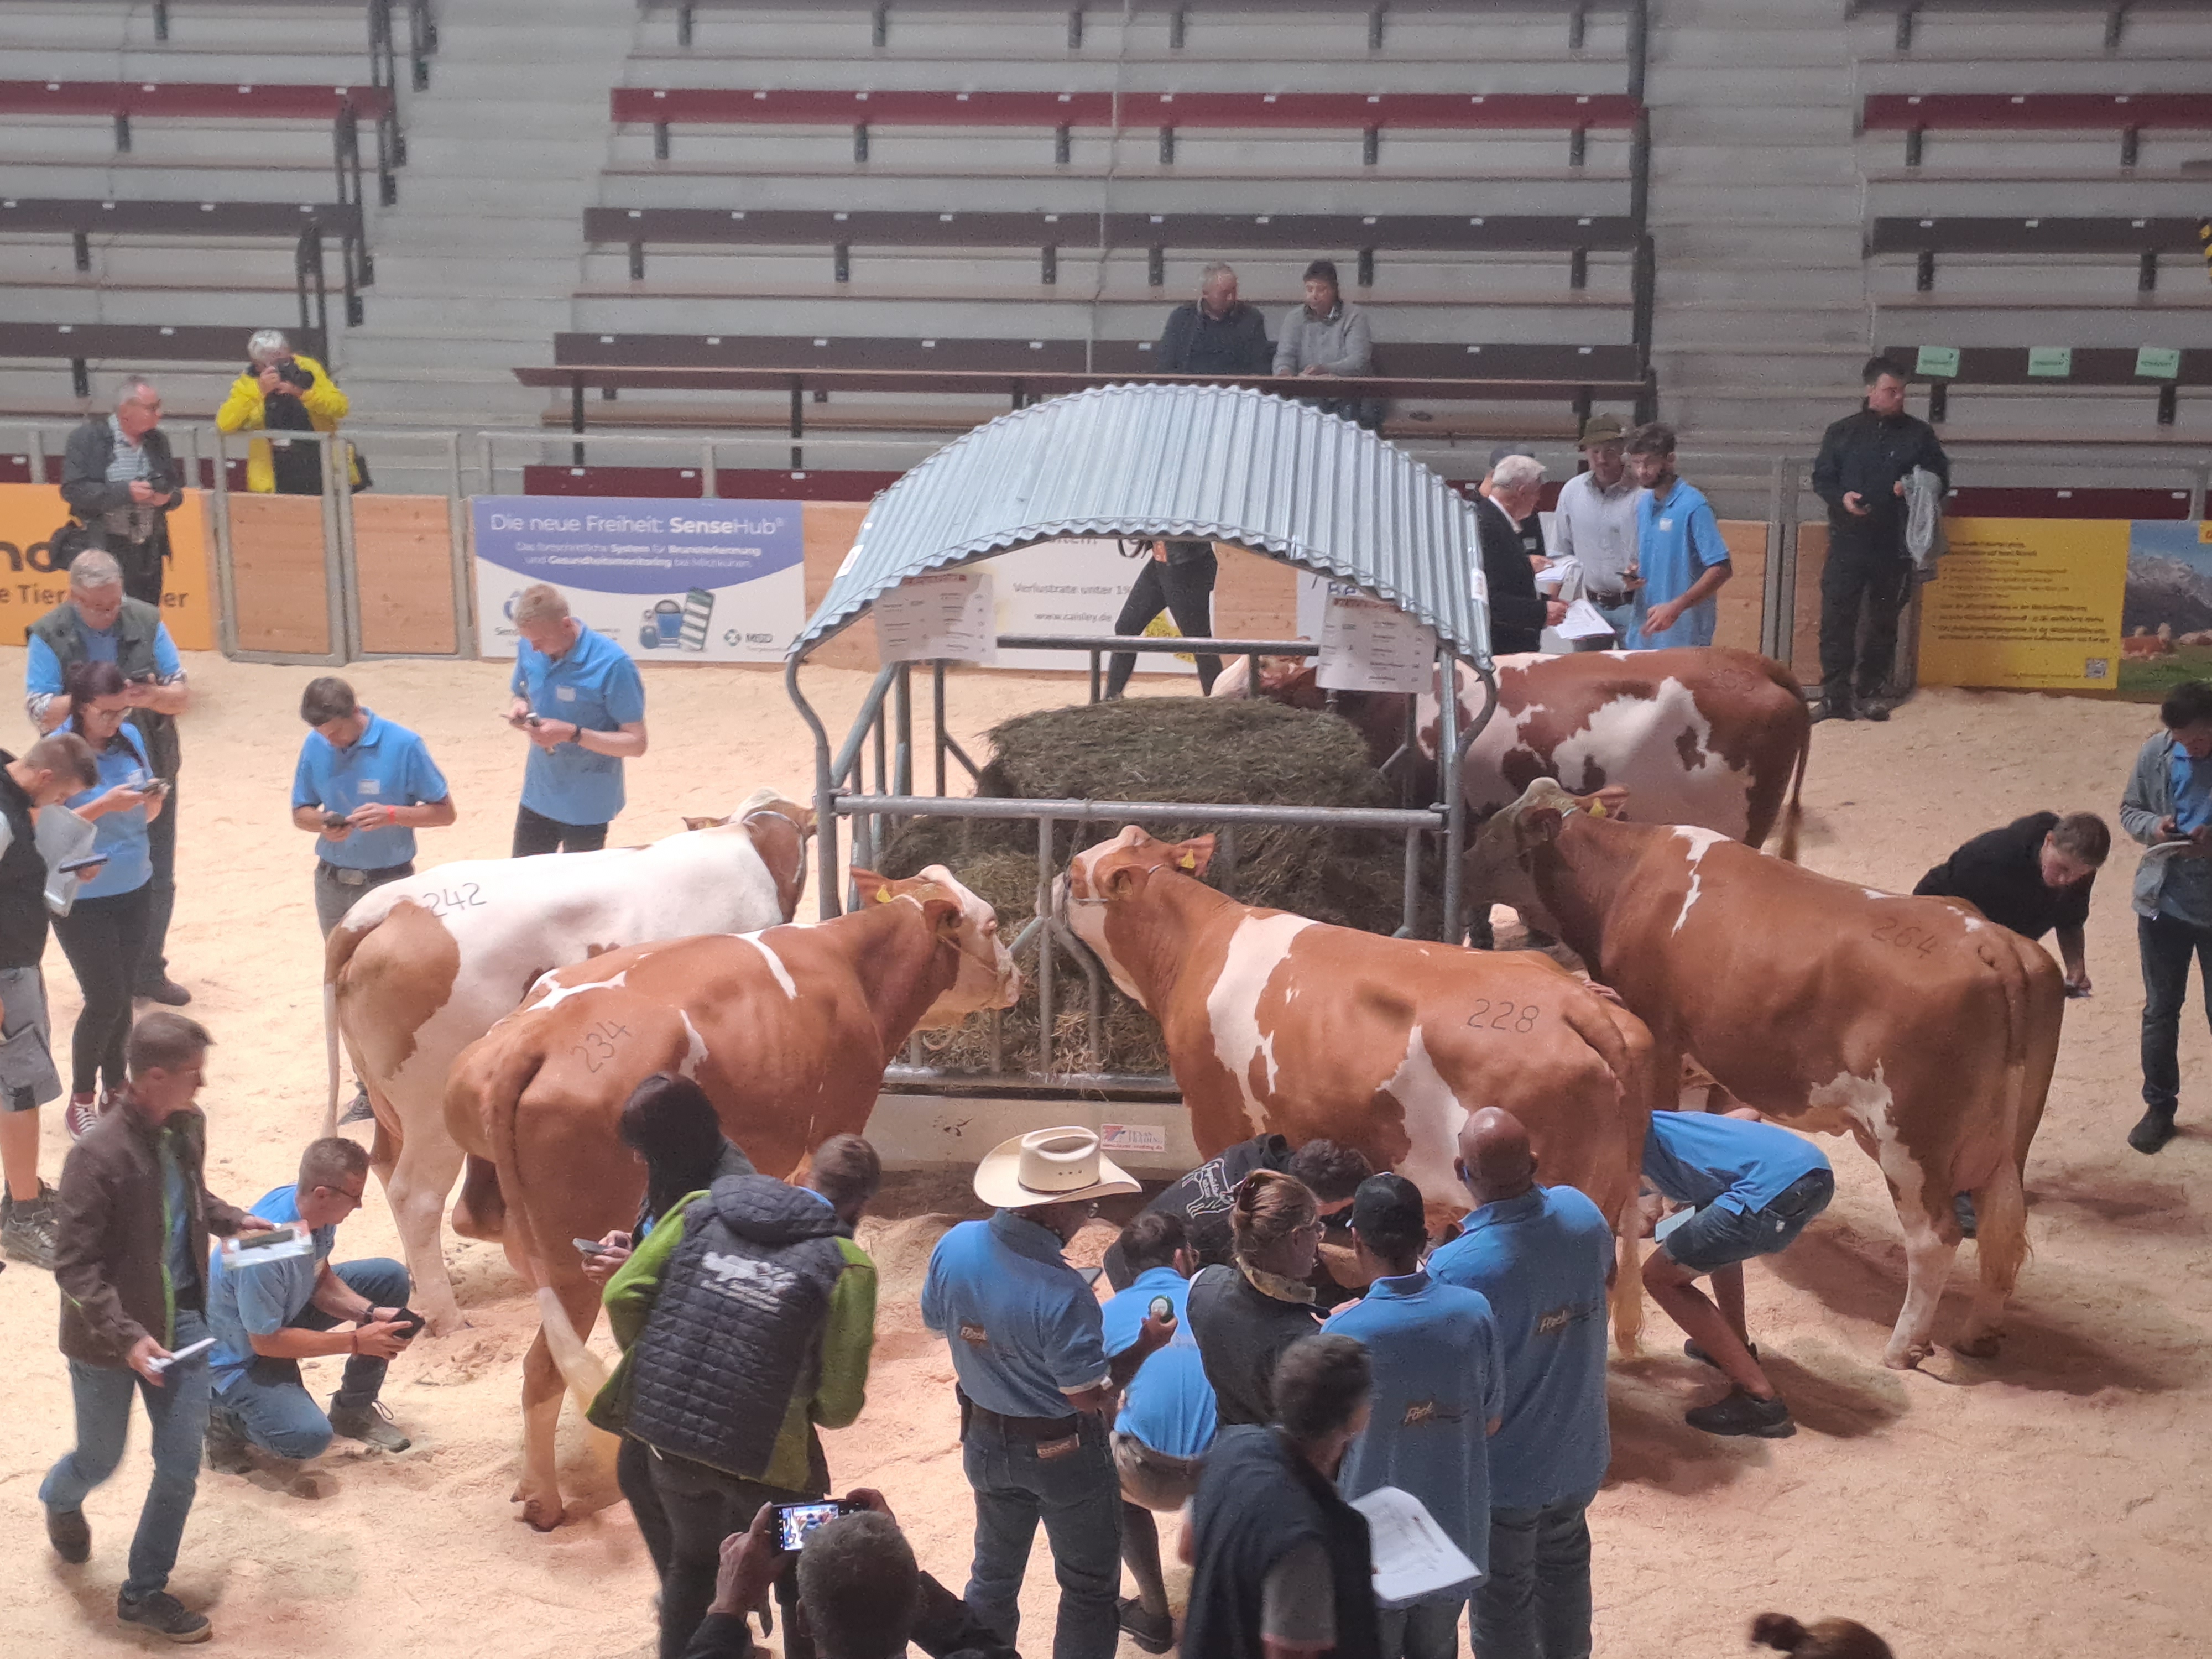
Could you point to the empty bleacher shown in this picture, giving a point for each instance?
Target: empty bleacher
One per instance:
(1044, 183)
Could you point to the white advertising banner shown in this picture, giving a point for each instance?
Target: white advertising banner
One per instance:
(680, 580)
(1074, 587)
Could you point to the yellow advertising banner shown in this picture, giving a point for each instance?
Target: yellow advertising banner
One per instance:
(2030, 604)
(29, 515)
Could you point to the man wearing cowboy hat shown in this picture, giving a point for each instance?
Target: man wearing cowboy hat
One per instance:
(1595, 524)
(1034, 1381)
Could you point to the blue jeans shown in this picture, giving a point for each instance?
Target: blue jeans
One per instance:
(1428, 1630)
(1536, 1602)
(177, 1410)
(2166, 946)
(1077, 1496)
(267, 1401)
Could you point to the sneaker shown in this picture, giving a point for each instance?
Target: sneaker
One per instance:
(1704, 1359)
(1739, 1413)
(228, 1447)
(358, 1111)
(1962, 1206)
(370, 1423)
(162, 1613)
(70, 1534)
(2152, 1130)
(81, 1113)
(1830, 709)
(167, 992)
(1152, 1634)
(26, 1230)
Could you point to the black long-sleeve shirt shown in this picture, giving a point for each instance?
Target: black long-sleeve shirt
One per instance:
(1517, 611)
(1867, 454)
(2001, 874)
(946, 1630)
(1194, 344)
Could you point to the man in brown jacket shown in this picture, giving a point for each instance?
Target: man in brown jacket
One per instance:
(130, 1260)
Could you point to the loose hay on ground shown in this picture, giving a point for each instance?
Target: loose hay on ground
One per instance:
(1160, 749)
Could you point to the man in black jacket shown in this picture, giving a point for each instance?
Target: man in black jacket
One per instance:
(1518, 614)
(1216, 333)
(1860, 473)
(121, 482)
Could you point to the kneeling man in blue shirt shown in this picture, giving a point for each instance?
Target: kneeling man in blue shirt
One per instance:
(1754, 1188)
(267, 1315)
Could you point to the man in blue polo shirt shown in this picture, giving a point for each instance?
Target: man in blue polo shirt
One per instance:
(363, 787)
(1754, 1188)
(1439, 1395)
(267, 1315)
(1030, 1355)
(578, 700)
(1542, 1256)
(1678, 550)
(1168, 1416)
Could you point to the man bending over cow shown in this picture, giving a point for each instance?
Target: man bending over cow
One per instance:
(2031, 876)
(1754, 1188)
(269, 1315)
(2167, 806)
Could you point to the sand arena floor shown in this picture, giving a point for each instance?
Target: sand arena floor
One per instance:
(2051, 1502)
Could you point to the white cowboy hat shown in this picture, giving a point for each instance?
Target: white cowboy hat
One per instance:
(1049, 1166)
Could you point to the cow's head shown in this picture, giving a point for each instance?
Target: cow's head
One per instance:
(1292, 681)
(1120, 869)
(1499, 862)
(779, 829)
(986, 976)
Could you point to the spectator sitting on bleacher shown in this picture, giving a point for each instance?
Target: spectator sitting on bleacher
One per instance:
(1216, 333)
(121, 481)
(1326, 337)
(283, 392)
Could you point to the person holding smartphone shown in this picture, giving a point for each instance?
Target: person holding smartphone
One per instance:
(104, 933)
(578, 698)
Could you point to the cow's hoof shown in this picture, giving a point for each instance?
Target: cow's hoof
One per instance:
(1907, 1357)
(1983, 1346)
(445, 1324)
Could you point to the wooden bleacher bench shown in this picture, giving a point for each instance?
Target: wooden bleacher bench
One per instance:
(190, 100)
(134, 345)
(2143, 240)
(2128, 114)
(2091, 368)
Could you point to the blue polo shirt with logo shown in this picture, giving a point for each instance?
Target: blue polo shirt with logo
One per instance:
(1169, 1404)
(595, 684)
(1677, 541)
(386, 765)
(1439, 1384)
(262, 1299)
(1708, 1158)
(1023, 1327)
(1540, 1260)
(121, 837)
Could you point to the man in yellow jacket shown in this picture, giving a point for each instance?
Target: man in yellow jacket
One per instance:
(280, 392)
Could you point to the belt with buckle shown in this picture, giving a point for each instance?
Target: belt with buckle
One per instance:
(1608, 601)
(346, 876)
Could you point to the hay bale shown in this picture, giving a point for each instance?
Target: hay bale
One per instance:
(1166, 749)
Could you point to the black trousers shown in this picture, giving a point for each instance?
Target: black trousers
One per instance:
(1868, 576)
(703, 1507)
(535, 833)
(161, 894)
(104, 939)
(634, 1474)
(1185, 592)
(142, 570)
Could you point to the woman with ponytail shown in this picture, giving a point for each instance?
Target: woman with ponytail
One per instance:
(1243, 1316)
(1825, 1638)
(104, 934)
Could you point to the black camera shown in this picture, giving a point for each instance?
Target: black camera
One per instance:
(291, 372)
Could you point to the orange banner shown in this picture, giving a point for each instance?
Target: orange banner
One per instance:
(29, 587)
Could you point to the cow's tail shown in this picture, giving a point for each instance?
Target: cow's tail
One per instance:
(1592, 1021)
(1793, 814)
(498, 1095)
(2000, 1204)
(338, 952)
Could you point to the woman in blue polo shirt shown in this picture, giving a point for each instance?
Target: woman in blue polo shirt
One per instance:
(578, 700)
(104, 934)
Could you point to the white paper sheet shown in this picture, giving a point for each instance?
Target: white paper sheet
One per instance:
(1583, 621)
(1413, 1558)
(1369, 646)
(948, 614)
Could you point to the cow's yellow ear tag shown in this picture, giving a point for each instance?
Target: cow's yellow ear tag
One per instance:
(1188, 862)
(883, 896)
(1597, 808)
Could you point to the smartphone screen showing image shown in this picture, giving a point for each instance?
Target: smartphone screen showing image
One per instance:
(794, 1520)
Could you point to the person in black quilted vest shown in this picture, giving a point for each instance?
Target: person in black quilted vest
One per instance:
(746, 1316)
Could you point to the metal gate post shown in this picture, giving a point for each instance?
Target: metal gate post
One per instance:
(226, 583)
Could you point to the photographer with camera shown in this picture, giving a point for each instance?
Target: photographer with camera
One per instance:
(283, 392)
(121, 482)
(269, 1311)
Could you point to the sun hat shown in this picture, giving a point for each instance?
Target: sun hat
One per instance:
(1601, 429)
(1049, 1166)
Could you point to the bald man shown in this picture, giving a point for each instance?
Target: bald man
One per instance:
(1543, 1256)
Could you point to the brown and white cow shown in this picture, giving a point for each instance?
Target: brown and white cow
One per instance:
(1707, 736)
(1278, 1023)
(422, 968)
(1925, 1033)
(789, 1031)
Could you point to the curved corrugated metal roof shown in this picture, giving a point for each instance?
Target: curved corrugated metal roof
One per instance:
(1207, 463)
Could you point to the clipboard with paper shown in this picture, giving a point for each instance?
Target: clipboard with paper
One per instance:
(62, 838)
